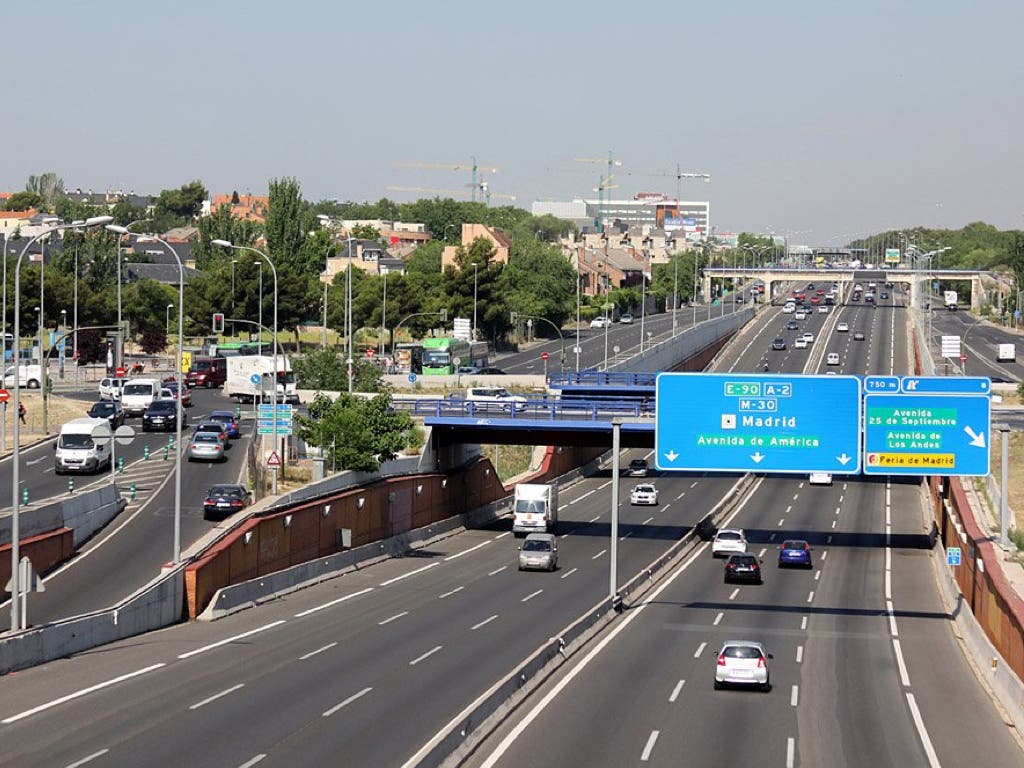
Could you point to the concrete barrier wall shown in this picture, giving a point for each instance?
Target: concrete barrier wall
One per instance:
(89, 512)
(32, 521)
(666, 355)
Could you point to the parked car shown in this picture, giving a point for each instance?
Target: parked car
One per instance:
(626, 318)
(162, 415)
(227, 418)
(728, 541)
(637, 468)
(539, 552)
(743, 662)
(206, 446)
(743, 566)
(795, 552)
(600, 322)
(644, 494)
(110, 410)
(224, 500)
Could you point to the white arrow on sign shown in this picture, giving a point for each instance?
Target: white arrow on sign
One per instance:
(844, 459)
(977, 440)
(671, 455)
(757, 457)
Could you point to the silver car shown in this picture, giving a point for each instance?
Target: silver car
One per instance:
(743, 662)
(539, 552)
(206, 446)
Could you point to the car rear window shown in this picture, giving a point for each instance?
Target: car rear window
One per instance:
(729, 535)
(743, 559)
(742, 652)
(205, 437)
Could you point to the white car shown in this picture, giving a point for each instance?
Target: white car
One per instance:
(800, 315)
(800, 343)
(743, 662)
(600, 322)
(789, 309)
(644, 494)
(626, 319)
(494, 399)
(822, 310)
(808, 337)
(843, 328)
(727, 541)
(820, 478)
(110, 388)
(833, 358)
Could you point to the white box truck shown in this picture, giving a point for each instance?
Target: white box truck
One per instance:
(535, 508)
(950, 299)
(241, 386)
(1006, 353)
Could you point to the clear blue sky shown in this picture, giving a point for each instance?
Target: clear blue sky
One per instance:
(816, 118)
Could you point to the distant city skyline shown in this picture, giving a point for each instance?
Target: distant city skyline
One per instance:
(816, 120)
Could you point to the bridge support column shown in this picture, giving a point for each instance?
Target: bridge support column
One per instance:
(976, 294)
(705, 289)
(915, 293)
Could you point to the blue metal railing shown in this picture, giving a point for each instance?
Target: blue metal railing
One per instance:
(532, 410)
(601, 379)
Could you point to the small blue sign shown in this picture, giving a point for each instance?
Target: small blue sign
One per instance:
(741, 422)
(881, 384)
(968, 385)
(412, 378)
(255, 378)
(953, 556)
(927, 434)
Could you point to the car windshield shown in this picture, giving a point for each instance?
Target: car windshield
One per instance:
(76, 440)
(222, 417)
(794, 544)
(101, 409)
(638, 463)
(536, 545)
(534, 506)
(644, 489)
(742, 652)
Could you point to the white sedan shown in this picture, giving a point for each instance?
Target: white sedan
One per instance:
(800, 343)
(644, 494)
(743, 662)
(600, 322)
(843, 328)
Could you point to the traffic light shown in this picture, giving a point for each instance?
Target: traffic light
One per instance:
(218, 322)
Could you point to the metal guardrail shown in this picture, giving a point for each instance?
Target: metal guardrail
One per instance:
(601, 378)
(531, 410)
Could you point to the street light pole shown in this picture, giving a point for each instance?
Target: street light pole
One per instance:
(167, 320)
(259, 318)
(675, 291)
(383, 315)
(15, 587)
(578, 291)
(233, 262)
(474, 298)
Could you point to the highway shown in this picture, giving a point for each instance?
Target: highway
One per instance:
(866, 670)
(367, 667)
(981, 339)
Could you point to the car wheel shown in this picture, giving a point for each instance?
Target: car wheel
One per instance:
(718, 685)
(766, 686)
(33, 384)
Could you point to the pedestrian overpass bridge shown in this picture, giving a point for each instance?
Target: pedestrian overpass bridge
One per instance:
(917, 279)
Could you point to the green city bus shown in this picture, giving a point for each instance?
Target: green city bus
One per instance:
(439, 355)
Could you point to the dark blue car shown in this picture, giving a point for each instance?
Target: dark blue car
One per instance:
(227, 418)
(795, 552)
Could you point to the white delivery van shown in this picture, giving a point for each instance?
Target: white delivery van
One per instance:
(820, 478)
(138, 394)
(535, 508)
(30, 376)
(1006, 353)
(76, 450)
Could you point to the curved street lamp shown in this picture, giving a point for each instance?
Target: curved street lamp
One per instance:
(15, 589)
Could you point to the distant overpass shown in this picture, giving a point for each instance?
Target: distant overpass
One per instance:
(917, 279)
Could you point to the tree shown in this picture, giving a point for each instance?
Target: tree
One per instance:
(540, 283)
(175, 207)
(289, 220)
(49, 186)
(365, 232)
(153, 340)
(321, 370)
(125, 213)
(221, 224)
(24, 201)
(91, 347)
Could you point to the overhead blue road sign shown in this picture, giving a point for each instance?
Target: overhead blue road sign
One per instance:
(741, 422)
(968, 385)
(881, 384)
(953, 555)
(926, 434)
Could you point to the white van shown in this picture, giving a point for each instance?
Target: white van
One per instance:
(76, 450)
(833, 358)
(31, 376)
(820, 478)
(495, 398)
(138, 394)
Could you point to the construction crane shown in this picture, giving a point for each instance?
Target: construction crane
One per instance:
(604, 183)
(483, 186)
(679, 175)
(474, 184)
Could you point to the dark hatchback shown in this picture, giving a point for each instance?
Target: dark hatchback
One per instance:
(779, 344)
(162, 415)
(224, 500)
(743, 567)
(110, 410)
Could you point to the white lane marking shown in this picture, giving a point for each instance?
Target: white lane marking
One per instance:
(904, 677)
(231, 639)
(485, 622)
(541, 705)
(645, 522)
(407, 575)
(794, 696)
(772, 537)
(581, 498)
(790, 752)
(817, 575)
(761, 553)
(810, 596)
(497, 570)
(216, 696)
(252, 762)
(694, 483)
(87, 759)
(392, 618)
(734, 593)
(503, 535)
(567, 534)
(833, 523)
(604, 485)
(347, 701)
(79, 694)
(781, 521)
(595, 519)
(467, 551)
(622, 538)
(333, 602)
(663, 509)
(801, 484)
(675, 691)
(837, 510)
(828, 540)
(531, 596)
(718, 619)
(789, 509)
(649, 747)
(888, 585)
(450, 593)
(311, 654)
(796, 496)
(567, 574)
(892, 619)
(799, 654)
(922, 732)
(841, 497)
(680, 495)
(700, 650)
(599, 554)
(824, 554)
(429, 653)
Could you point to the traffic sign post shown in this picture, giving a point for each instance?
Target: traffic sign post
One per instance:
(935, 425)
(740, 422)
(953, 556)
